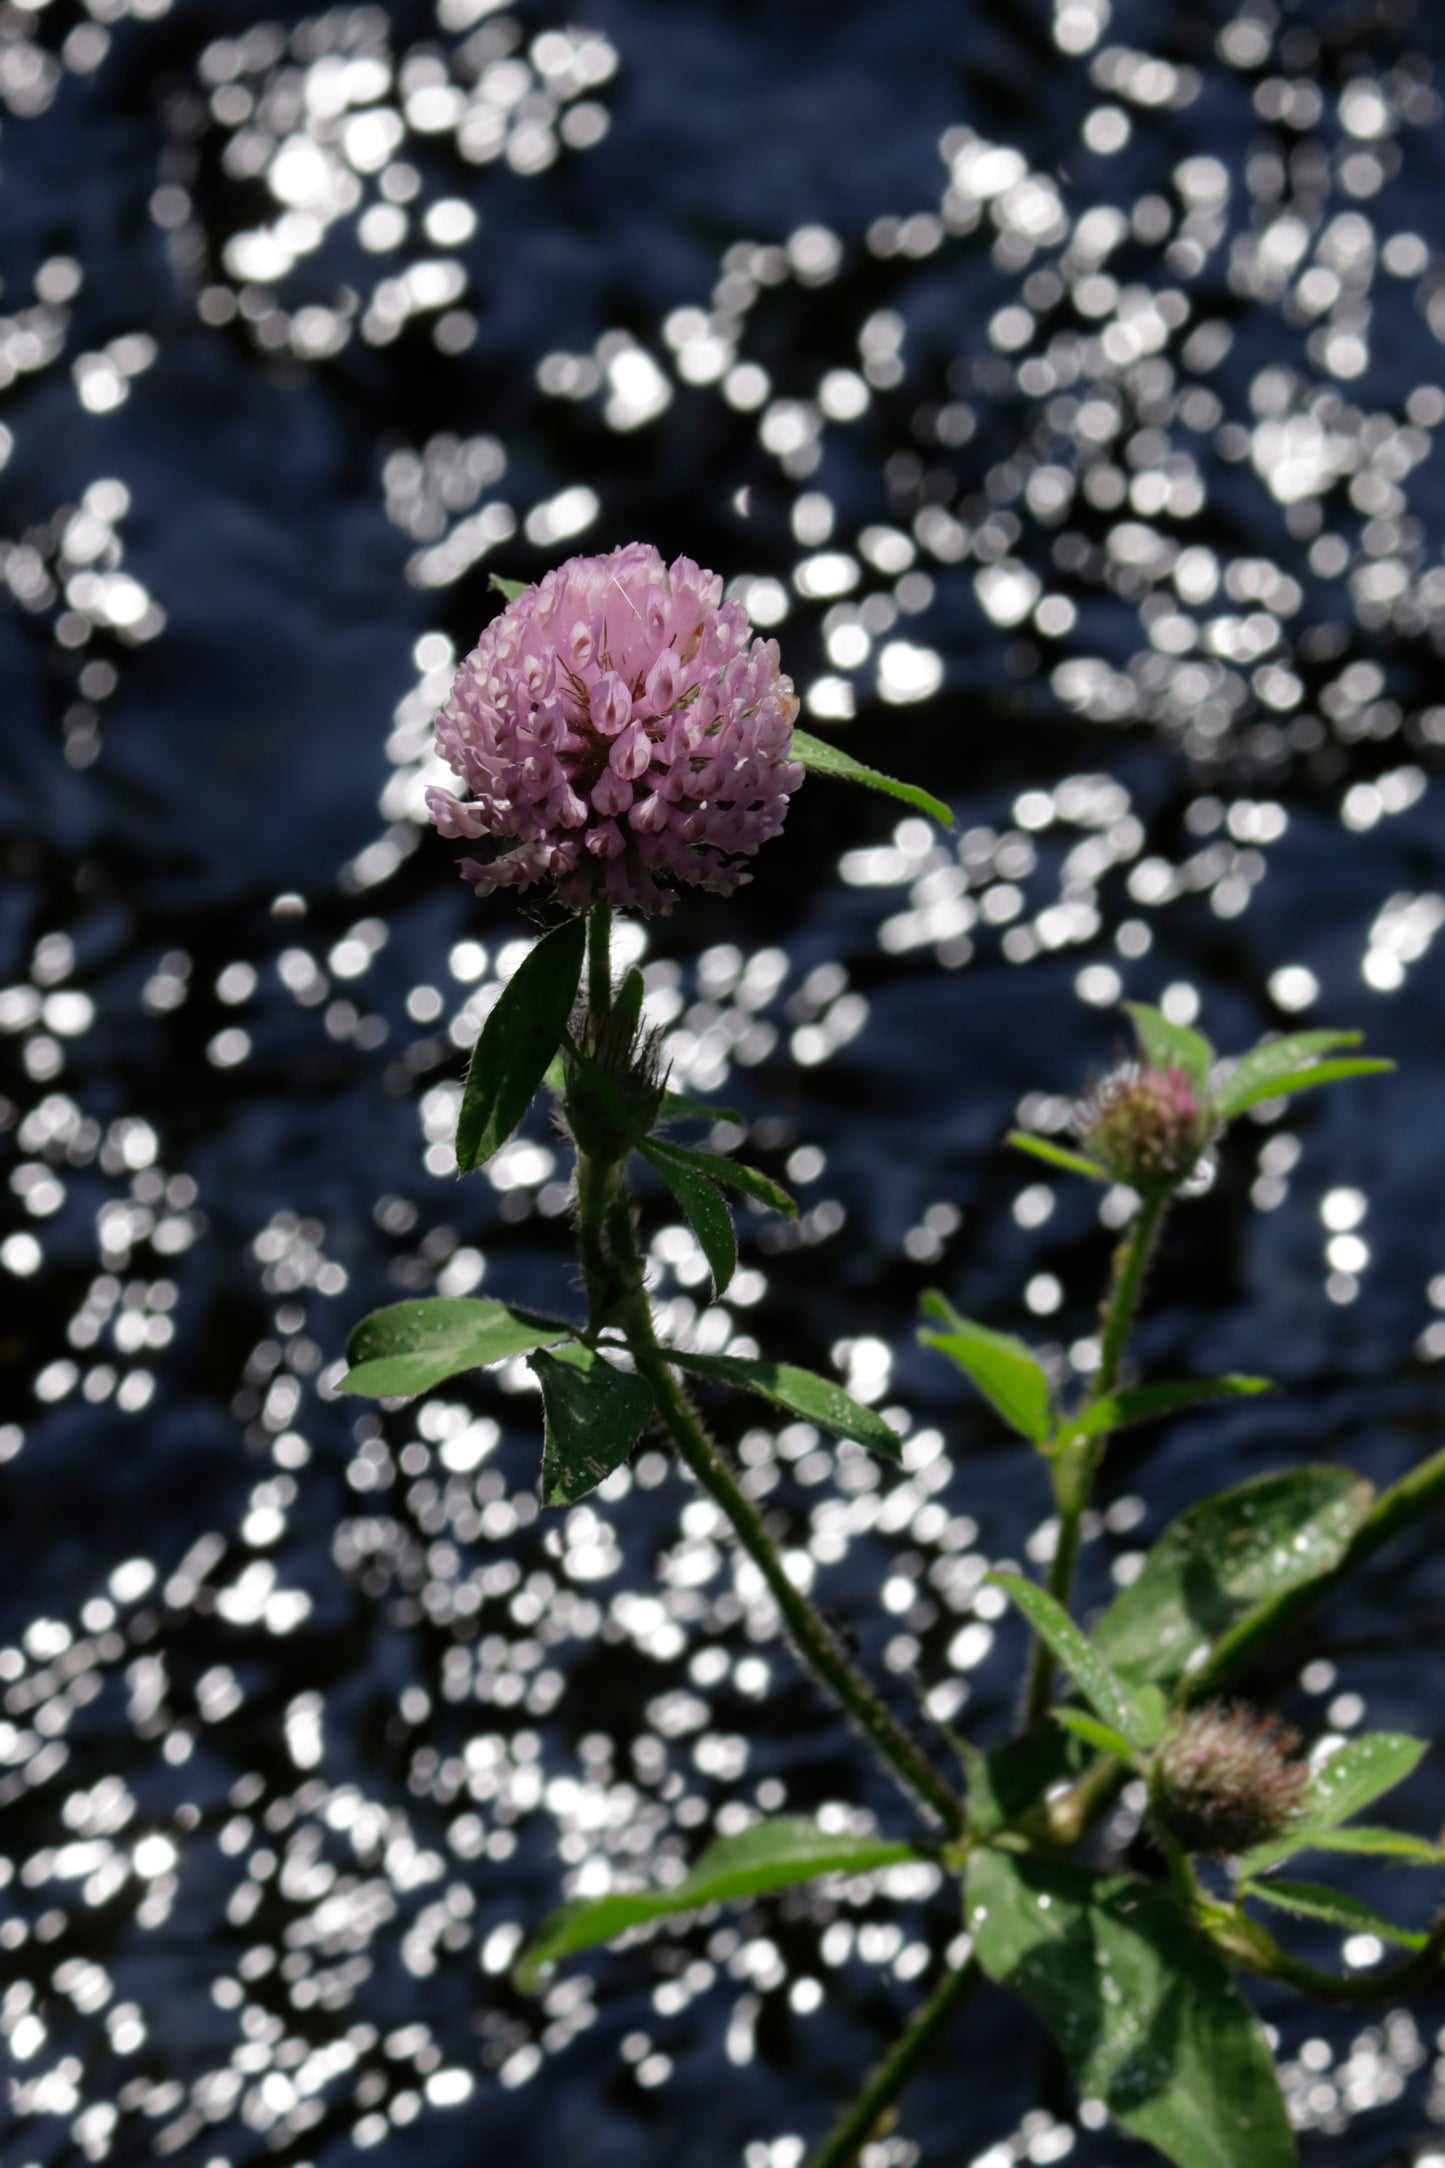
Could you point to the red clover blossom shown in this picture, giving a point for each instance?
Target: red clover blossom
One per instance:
(620, 735)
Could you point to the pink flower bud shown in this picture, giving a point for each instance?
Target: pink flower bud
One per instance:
(1147, 1127)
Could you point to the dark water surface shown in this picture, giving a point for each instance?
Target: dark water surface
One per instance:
(1064, 387)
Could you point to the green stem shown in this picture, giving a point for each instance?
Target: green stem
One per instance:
(859, 2123)
(1131, 1263)
(597, 1181)
(814, 1640)
(599, 961)
(597, 1176)
(1246, 1943)
(1181, 1874)
(1077, 1465)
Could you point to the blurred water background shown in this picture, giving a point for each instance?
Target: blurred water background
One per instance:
(1062, 384)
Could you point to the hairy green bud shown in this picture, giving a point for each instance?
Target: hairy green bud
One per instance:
(1148, 1127)
(1225, 1778)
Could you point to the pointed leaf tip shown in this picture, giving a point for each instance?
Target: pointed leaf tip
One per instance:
(518, 1041)
(594, 1416)
(703, 1203)
(1114, 1702)
(771, 1855)
(1057, 1155)
(824, 758)
(1171, 1046)
(800, 1392)
(1298, 1080)
(718, 1167)
(411, 1346)
(1002, 1368)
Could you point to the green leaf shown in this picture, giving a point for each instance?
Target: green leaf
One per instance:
(1145, 2013)
(1108, 1695)
(1303, 1080)
(1274, 1058)
(519, 1038)
(682, 1107)
(1171, 1046)
(801, 1392)
(510, 588)
(1357, 1772)
(828, 759)
(1056, 1156)
(706, 1209)
(769, 1856)
(412, 1346)
(595, 1414)
(1093, 1733)
(716, 1168)
(1142, 1403)
(1222, 1557)
(1378, 1844)
(1313, 1901)
(1001, 1367)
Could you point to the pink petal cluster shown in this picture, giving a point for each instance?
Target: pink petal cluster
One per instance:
(620, 734)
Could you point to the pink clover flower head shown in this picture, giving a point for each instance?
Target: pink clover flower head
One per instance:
(620, 735)
(1147, 1127)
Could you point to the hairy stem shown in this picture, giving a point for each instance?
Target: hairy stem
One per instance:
(860, 2122)
(1078, 1464)
(596, 1183)
(1131, 1263)
(814, 1640)
(1251, 1946)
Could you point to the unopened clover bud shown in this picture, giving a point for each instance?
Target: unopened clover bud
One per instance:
(1226, 1778)
(1147, 1127)
(620, 734)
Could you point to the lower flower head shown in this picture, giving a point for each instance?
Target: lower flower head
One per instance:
(1147, 1127)
(620, 735)
(1226, 1778)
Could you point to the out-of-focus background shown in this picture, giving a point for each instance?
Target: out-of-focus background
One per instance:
(1062, 386)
